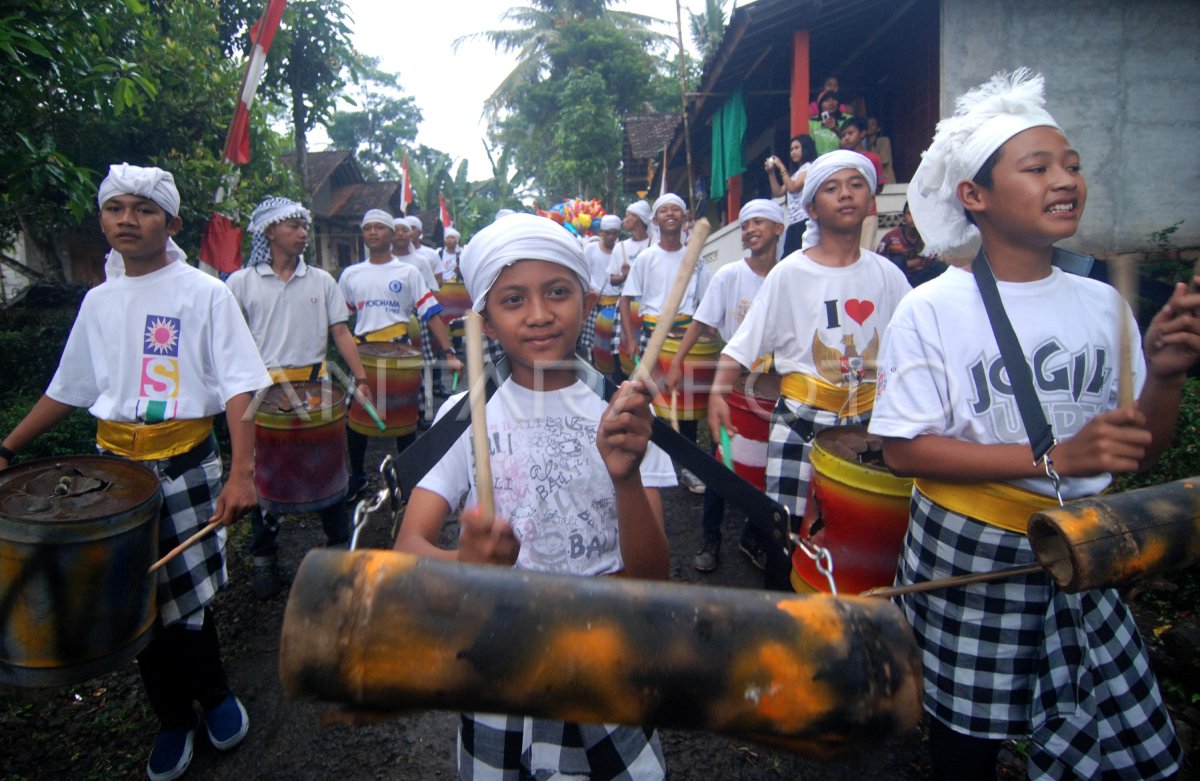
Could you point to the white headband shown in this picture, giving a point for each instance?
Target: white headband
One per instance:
(822, 168)
(641, 210)
(610, 222)
(518, 237)
(451, 232)
(377, 217)
(667, 198)
(414, 222)
(984, 119)
(761, 207)
(153, 184)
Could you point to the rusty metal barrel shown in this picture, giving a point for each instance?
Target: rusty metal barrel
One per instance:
(1115, 539)
(77, 536)
(812, 674)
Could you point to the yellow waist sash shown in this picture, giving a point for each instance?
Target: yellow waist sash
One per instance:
(152, 441)
(816, 392)
(996, 504)
(609, 300)
(681, 321)
(391, 333)
(297, 373)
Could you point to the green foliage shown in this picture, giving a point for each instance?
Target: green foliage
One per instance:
(1182, 457)
(708, 28)
(1161, 239)
(381, 122)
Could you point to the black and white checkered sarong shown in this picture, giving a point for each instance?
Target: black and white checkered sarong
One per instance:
(516, 748)
(189, 581)
(587, 337)
(789, 469)
(1019, 657)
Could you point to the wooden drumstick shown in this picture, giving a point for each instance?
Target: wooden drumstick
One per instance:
(477, 393)
(666, 317)
(1125, 281)
(181, 547)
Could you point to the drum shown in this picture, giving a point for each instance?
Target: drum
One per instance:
(751, 402)
(394, 373)
(699, 370)
(454, 300)
(77, 535)
(602, 347)
(300, 447)
(856, 508)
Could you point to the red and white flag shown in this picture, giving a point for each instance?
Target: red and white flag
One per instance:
(446, 221)
(237, 143)
(406, 198)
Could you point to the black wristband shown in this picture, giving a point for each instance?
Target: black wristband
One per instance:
(7, 454)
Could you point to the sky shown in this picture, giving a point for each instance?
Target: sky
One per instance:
(414, 40)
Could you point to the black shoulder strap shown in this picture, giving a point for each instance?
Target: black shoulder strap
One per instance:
(1020, 376)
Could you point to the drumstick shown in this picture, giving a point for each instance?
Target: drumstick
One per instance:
(957, 580)
(726, 449)
(1125, 281)
(674, 410)
(181, 547)
(666, 318)
(477, 393)
(358, 396)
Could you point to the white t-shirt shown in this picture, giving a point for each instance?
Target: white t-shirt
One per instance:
(653, 275)
(169, 345)
(290, 321)
(625, 252)
(819, 320)
(795, 200)
(449, 263)
(421, 263)
(431, 260)
(383, 294)
(598, 261)
(550, 481)
(940, 369)
(728, 297)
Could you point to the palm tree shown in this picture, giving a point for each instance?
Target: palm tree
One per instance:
(708, 28)
(539, 33)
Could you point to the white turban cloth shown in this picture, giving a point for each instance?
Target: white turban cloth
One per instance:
(984, 118)
(667, 198)
(153, 184)
(451, 232)
(414, 222)
(610, 222)
(761, 207)
(377, 217)
(641, 210)
(822, 168)
(503, 213)
(270, 212)
(518, 237)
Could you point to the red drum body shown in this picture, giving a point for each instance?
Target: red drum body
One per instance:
(602, 347)
(77, 535)
(699, 369)
(300, 447)
(862, 510)
(751, 402)
(394, 373)
(454, 300)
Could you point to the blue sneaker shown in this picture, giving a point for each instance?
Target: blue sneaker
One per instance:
(227, 723)
(171, 755)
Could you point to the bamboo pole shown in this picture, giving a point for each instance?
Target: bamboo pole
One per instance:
(478, 397)
(1124, 279)
(687, 135)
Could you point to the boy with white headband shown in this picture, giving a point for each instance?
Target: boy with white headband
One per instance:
(651, 279)
(428, 254)
(448, 255)
(599, 255)
(637, 221)
(576, 485)
(383, 293)
(154, 354)
(721, 312)
(821, 314)
(293, 309)
(1018, 658)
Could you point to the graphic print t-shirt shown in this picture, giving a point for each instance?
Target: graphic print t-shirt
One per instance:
(549, 479)
(383, 294)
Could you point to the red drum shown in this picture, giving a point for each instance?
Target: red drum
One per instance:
(860, 510)
(454, 300)
(751, 402)
(699, 369)
(300, 447)
(602, 347)
(394, 372)
(77, 535)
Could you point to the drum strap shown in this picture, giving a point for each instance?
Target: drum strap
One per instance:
(761, 511)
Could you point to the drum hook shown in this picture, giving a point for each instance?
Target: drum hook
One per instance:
(389, 493)
(820, 555)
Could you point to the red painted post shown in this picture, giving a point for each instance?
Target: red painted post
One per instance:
(800, 81)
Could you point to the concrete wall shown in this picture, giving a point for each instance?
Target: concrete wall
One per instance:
(1122, 79)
